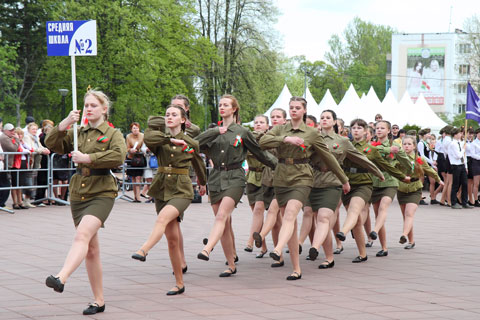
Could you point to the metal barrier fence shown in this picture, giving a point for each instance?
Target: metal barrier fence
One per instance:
(124, 183)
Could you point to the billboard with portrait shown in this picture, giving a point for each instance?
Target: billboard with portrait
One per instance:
(426, 74)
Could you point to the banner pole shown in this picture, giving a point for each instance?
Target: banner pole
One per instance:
(74, 103)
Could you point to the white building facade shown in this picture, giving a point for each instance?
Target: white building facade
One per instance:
(436, 65)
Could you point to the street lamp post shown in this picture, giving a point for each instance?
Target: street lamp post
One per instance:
(64, 93)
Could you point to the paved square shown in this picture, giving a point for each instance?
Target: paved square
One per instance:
(439, 279)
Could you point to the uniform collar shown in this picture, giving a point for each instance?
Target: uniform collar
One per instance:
(360, 143)
(331, 134)
(302, 127)
(102, 127)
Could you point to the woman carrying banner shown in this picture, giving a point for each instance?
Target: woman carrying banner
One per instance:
(92, 189)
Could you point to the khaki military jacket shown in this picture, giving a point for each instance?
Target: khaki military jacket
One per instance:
(342, 149)
(393, 159)
(255, 167)
(230, 149)
(166, 184)
(373, 155)
(300, 174)
(106, 148)
(415, 185)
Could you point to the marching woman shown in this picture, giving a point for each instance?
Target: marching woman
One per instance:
(255, 190)
(357, 200)
(384, 191)
(410, 194)
(273, 220)
(92, 189)
(227, 146)
(293, 177)
(327, 189)
(172, 188)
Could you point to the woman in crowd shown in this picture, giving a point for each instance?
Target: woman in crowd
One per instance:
(293, 177)
(33, 141)
(273, 220)
(172, 188)
(147, 173)
(327, 188)
(448, 178)
(433, 160)
(92, 189)
(227, 147)
(134, 142)
(255, 191)
(410, 194)
(357, 200)
(42, 177)
(384, 191)
(21, 162)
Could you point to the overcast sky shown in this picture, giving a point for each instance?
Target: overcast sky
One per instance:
(307, 25)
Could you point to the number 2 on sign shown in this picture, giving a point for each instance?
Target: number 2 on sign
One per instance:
(83, 46)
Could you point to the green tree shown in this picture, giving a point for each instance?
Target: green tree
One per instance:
(8, 82)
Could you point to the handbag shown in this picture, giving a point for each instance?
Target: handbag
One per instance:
(138, 160)
(153, 162)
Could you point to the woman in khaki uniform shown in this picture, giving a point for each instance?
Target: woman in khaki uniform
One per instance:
(410, 194)
(273, 221)
(255, 190)
(357, 200)
(327, 189)
(293, 177)
(172, 188)
(227, 146)
(92, 189)
(384, 191)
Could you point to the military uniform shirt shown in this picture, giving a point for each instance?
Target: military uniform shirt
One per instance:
(393, 159)
(415, 185)
(106, 148)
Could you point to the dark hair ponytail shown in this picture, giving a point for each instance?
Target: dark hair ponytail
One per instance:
(334, 116)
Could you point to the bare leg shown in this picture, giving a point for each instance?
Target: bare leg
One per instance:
(270, 221)
(368, 225)
(381, 211)
(86, 230)
(476, 182)
(94, 269)
(354, 210)
(358, 232)
(276, 228)
(257, 221)
(171, 232)
(293, 247)
(63, 189)
(180, 244)
(325, 221)
(336, 226)
(165, 216)
(146, 186)
(228, 244)
(307, 223)
(410, 209)
(291, 211)
(470, 191)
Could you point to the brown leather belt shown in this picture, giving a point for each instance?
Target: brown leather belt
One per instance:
(229, 167)
(414, 179)
(255, 169)
(355, 170)
(87, 172)
(324, 169)
(293, 160)
(173, 170)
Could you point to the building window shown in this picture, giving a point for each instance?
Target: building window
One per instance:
(464, 48)
(461, 108)
(461, 88)
(464, 69)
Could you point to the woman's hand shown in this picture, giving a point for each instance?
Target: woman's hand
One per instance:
(441, 183)
(346, 187)
(46, 152)
(406, 179)
(222, 130)
(72, 118)
(132, 150)
(79, 157)
(394, 149)
(178, 142)
(202, 190)
(296, 141)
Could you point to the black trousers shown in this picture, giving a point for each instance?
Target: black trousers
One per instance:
(459, 179)
(4, 182)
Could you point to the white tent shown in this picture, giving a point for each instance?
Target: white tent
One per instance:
(328, 102)
(425, 116)
(389, 108)
(350, 107)
(281, 102)
(406, 111)
(312, 106)
(371, 105)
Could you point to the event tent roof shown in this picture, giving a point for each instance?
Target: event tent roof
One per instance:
(328, 102)
(350, 107)
(312, 106)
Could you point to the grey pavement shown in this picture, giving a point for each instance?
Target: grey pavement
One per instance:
(439, 279)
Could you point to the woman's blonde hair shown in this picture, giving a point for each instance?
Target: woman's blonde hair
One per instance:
(102, 97)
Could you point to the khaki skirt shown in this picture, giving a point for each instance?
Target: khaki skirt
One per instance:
(268, 195)
(379, 193)
(284, 194)
(363, 191)
(410, 197)
(324, 198)
(254, 193)
(235, 193)
(180, 204)
(97, 207)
